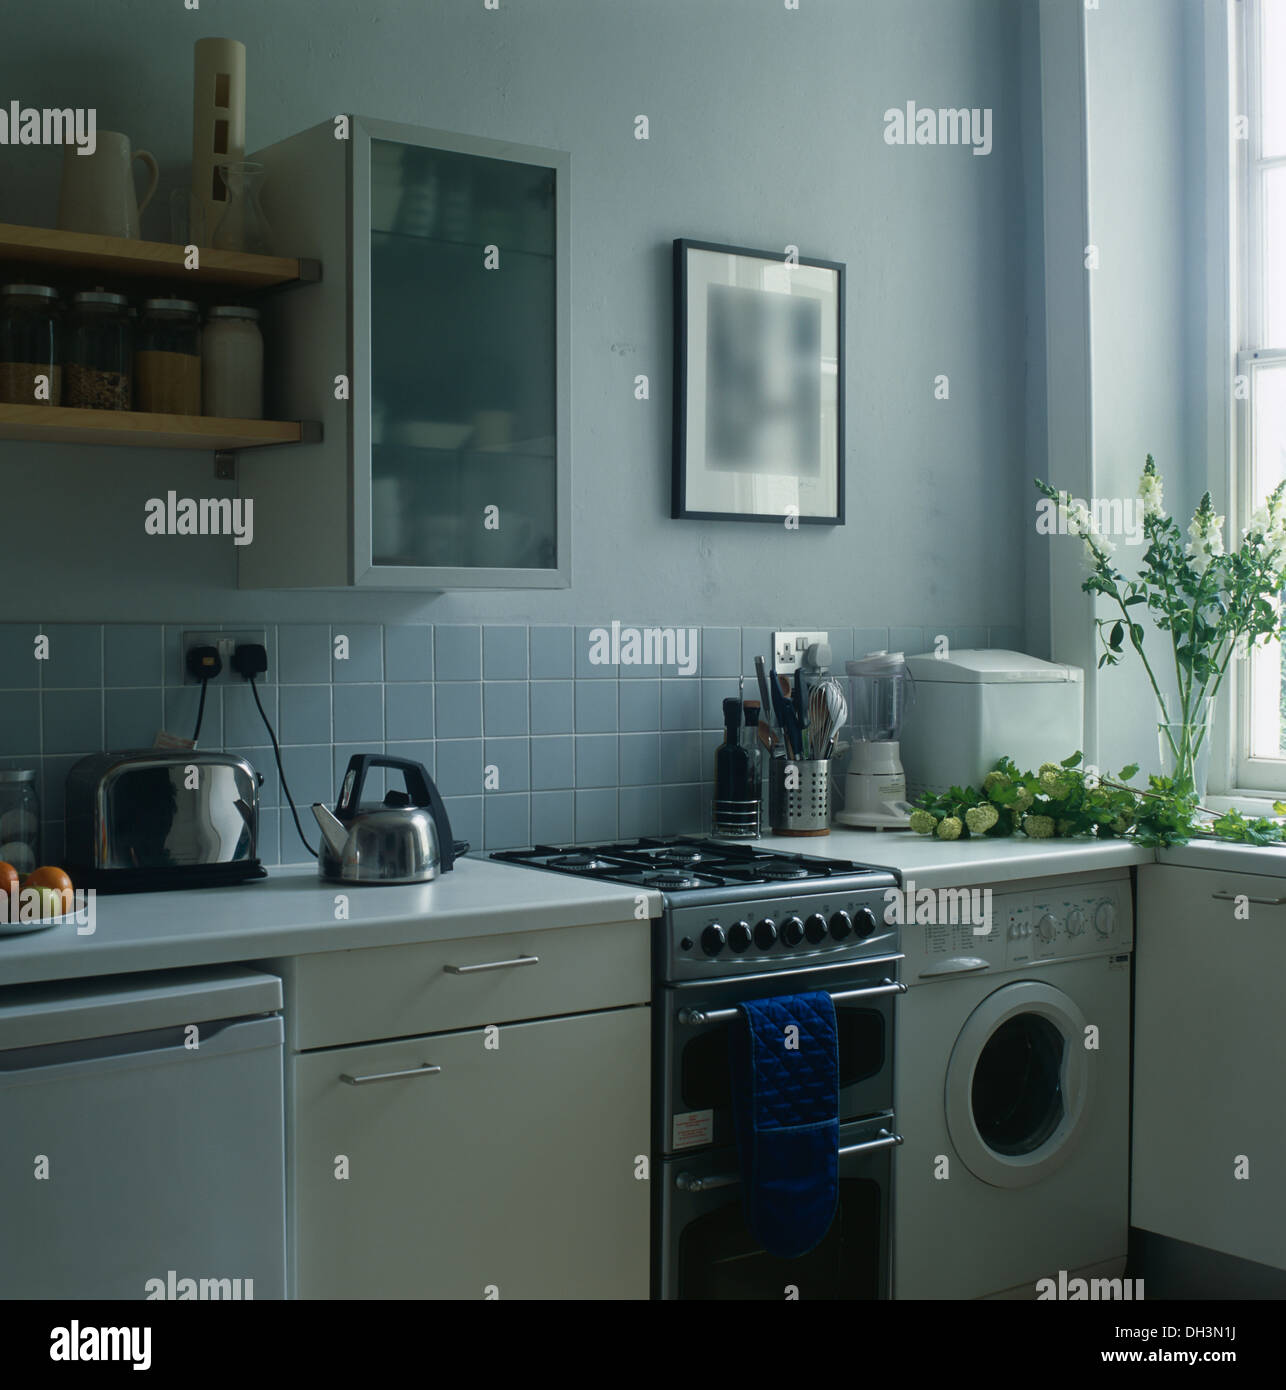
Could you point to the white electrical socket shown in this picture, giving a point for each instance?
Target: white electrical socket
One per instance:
(224, 643)
(788, 648)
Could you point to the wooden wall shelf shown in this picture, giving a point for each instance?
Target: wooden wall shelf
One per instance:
(156, 260)
(64, 425)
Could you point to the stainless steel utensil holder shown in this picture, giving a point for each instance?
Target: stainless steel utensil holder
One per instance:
(735, 820)
(805, 807)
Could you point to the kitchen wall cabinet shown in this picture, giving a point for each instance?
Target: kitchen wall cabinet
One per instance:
(1209, 1158)
(435, 351)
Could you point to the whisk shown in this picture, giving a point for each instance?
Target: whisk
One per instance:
(827, 711)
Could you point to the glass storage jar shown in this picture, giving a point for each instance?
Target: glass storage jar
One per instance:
(232, 363)
(19, 819)
(167, 358)
(30, 345)
(100, 357)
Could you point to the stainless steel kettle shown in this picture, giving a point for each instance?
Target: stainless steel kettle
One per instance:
(406, 838)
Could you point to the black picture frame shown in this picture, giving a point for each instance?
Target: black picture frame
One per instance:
(686, 467)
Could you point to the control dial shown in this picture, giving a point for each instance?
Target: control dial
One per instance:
(792, 931)
(1046, 928)
(841, 925)
(765, 933)
(863, 922)
(713, 939)
(1105, 919)
(1075, 922)
(815, 928)
(739, 936)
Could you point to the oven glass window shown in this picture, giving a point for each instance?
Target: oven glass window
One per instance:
(1017, 1085)
(706, 1081)
(719, 1258)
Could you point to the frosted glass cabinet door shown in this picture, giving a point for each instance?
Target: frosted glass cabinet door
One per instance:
(512, 1168)
(461, 304)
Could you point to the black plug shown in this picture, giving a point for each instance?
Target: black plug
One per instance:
(250, 659)
(204, 663)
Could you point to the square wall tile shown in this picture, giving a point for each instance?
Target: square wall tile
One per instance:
(510, 759)
(457, 652)
(504, 708)
(242, 725)
(552, 651)
(1005, 639)
(596, 760)
(268, 843)
(303, 654)
(970, 638)
(682, 657)
(681, 809)
(506, 822)
(465, 815)
(841, 644)
(596, 816)
(721, 651)
(552, 764)
(132, 717)
(504, 653)
(53, 786)
(132, 655)
(907, 639)
(72, 721)
(586, 648)
(75, 660)
(640, 811)
(681, 758)
(459, 771)
(365, 646)
(755, 641)
(310, 774)
(181, 703)
(20, 723)
(304, 712)
(408, 711)
(414, 750)
(713, 694)
(640, 760)
(640, 706)
(681, 704)
(408, 652)
(357, 713)
(552, 818)
(458, 708)
(19, 669)
(552, 707)
(596, 707)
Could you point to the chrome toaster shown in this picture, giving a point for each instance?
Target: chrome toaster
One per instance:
(152, 818)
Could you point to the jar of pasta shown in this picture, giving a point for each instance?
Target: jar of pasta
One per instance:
(167, 358)
(30, 345)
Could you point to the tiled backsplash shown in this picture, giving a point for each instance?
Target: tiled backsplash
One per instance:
(528, 739)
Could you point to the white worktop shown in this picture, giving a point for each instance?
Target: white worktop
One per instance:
(292, 912)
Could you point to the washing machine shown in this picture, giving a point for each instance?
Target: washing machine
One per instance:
(1012, 1087)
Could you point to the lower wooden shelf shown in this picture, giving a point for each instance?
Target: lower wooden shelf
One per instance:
(138, 429)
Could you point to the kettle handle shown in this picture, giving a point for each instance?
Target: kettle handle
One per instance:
(419, 786)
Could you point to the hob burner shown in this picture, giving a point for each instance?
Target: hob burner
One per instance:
(670, 879)
(677, 858)
(578, 863)
(783, 871)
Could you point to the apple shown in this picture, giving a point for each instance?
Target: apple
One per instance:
(40, 903)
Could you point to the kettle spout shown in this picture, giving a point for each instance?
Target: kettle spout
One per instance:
(333, 830)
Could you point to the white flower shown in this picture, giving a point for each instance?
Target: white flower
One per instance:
(1206, 532)
(1074, 516)
(1151, 491)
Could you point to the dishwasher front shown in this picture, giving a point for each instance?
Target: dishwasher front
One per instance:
(141, 1137)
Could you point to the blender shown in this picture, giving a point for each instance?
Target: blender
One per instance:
(875, 787)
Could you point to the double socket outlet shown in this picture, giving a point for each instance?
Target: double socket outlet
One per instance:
(224, 643)
(788, 648)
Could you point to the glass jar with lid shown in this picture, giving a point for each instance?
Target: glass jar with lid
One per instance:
(167, 358)
(30, 345)
(232, 363)
(100, 358)
(19, 819)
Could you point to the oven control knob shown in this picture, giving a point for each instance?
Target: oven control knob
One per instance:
(1046, 927)
(841, 925)
(766, 933)
(1075, 922)
(713, 939)
(1105, 918)
(792, 931)
(864, 922)
(815, 929)
(739, 937)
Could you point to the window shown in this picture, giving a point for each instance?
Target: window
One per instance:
(1261, 366)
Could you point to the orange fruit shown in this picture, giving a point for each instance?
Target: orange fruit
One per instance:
(47, 876)
(9, 879)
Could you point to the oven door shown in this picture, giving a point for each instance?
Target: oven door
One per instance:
(694, 1097)
(707, 1251)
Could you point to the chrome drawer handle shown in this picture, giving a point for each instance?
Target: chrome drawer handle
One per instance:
(689, 1182)
(490, 965)
(1234, 897)
(426, 1070)
(696, 1017)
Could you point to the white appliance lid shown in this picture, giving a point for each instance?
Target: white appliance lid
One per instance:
(979, 667)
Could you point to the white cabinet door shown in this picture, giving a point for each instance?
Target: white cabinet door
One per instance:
(509, 1172)
(1209, 1060)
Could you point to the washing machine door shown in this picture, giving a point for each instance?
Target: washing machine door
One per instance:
(1019, 1084)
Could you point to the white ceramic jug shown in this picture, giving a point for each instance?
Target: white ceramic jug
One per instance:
(97, 193)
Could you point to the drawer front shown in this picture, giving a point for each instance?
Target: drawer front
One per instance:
(345, 997)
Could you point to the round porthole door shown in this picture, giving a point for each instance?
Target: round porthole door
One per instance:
(1019, 1084)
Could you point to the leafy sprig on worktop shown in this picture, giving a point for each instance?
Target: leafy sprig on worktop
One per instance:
(1062, 800)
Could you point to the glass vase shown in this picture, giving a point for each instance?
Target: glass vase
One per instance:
(1185, 750)
(243, 227)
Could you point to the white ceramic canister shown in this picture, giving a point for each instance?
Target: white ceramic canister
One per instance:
(232, 364)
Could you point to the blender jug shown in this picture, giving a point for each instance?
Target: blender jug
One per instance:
(875, 787)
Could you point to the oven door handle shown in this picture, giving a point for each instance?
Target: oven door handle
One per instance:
(689, 1182)
(698, 1016)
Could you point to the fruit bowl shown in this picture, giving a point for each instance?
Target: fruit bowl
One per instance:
(36, 924)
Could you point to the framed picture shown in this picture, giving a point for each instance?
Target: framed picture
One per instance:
(758, 386)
